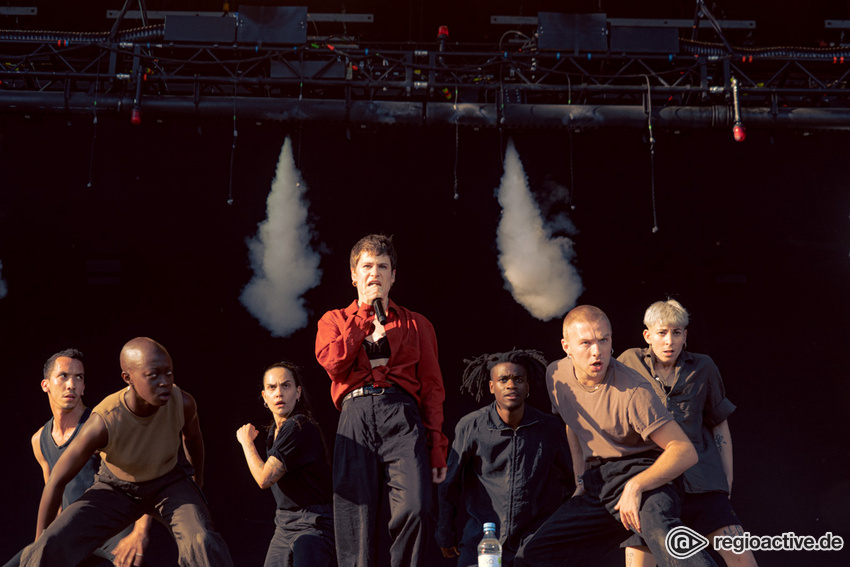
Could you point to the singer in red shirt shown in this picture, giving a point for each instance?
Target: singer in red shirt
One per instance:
(386, 381)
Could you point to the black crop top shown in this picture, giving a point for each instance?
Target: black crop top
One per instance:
(380, 349)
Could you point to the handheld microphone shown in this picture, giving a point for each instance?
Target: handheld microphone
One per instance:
(380, 314)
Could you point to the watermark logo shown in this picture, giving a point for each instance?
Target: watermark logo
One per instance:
(788, 541)
(683, 542)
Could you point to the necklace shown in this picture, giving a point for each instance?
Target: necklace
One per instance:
(594, 388)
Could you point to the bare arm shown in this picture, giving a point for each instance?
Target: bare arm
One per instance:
(579, 465)
(39, 457)
(723, 440)
(678, 455)
(193, 441)
(91, 437)
(36, 450)
(265, 473)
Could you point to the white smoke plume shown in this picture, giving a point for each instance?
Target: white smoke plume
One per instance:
(3, 288)
(285, 266)
(535, 264)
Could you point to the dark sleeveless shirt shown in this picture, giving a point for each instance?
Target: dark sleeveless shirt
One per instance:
(52, 452)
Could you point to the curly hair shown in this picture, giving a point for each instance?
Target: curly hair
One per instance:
(477, 372)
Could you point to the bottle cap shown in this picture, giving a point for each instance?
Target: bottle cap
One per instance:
(489, 526)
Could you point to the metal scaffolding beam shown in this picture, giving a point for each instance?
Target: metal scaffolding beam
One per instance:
(400, 113)
(163, 14)
(636, 22)
(424, 85)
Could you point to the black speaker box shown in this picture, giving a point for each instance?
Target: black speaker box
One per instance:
(572, 32)
(633, 39)
(276, 25)
(199, 29)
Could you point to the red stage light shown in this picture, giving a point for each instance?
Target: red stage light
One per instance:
(739, 132)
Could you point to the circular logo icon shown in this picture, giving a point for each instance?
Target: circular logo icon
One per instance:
(683, 542)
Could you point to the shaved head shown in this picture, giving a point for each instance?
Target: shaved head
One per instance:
(138, 350)
(584, 314)
(147, 368)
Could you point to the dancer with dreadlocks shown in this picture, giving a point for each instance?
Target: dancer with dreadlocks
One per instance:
(509, 462)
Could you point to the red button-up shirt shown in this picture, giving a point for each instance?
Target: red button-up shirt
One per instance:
(413, 363)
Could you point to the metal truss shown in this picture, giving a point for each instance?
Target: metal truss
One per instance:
(513, 85)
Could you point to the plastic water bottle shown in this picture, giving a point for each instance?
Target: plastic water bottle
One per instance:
(489, 550)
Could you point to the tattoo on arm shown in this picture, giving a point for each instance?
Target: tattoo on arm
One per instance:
(277, 471)
(720, 441)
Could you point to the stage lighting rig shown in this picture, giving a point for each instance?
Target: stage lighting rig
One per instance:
(552, 70)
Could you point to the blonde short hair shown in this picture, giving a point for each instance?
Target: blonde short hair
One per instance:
(668, 312)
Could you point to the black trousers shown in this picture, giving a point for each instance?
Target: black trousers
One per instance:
(102, 552)
(302, 538)
(585, 527)
(111, 504)
(381, 449)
